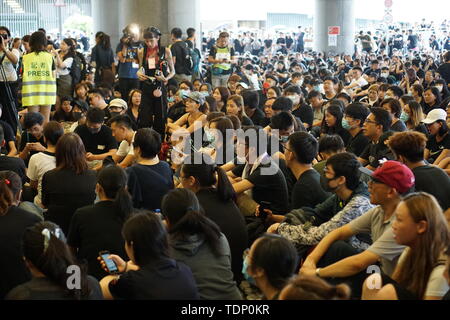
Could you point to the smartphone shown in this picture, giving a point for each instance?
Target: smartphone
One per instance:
(263, 205)
(110, 264)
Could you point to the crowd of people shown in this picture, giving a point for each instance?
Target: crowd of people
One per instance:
(175, 174)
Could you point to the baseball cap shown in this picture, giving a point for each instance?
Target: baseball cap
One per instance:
(196, 96)
(243, 85)
(118, 103)
(435, 115)
(393, 174)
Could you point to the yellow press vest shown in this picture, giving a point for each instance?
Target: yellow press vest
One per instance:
(38, 81)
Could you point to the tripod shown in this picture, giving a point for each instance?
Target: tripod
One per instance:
(12, 113)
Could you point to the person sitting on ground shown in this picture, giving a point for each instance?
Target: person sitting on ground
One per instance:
(269, 264)
(420, 226)
(122, 130)
(198, 242)
(49, 260)
(151, 273)
(408, 147)
(149, 179)
(338, 261)
(305, 227)
(13, 223)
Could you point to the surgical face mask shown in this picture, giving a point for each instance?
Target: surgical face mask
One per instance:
(204, 94)
(183, 93)
(385, 75)
(247, 277)
(293, 99)
(386, 96)
(440, 88)
(345, 124)
(171, 99)
(209, 136)
(284, 139)
(298, 82)
(404, 116)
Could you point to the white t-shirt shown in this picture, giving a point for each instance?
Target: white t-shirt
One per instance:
(39, 164)
(125, 148)
(361, 82)
(63, 72)
(437, 285)
(10, 71)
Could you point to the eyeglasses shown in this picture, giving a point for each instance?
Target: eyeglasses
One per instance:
(371, 121)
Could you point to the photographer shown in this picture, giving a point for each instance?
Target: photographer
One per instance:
(127, 54)
(156, 70)
(8, 63)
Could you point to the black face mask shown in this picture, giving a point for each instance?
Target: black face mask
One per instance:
(114, 114)
(77, 115)
(94, 130)
(325, 183)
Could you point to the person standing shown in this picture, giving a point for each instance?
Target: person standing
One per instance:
(180, 54)
(156, 70)
(102, 57)
(38, 81)
(8, 61)
(221, 56)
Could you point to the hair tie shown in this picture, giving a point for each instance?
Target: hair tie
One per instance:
(7, 182)
(47, 235)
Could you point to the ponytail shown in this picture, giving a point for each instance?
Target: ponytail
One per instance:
(44, 246)
(195, 222)
(182, 209)
(224, 187)
(124, 203)
(10, 186)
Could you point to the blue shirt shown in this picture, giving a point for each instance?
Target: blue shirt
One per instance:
(126, 69)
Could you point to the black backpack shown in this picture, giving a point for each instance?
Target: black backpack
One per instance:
(188, 60)
(75, 70)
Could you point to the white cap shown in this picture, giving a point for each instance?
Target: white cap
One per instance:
(435, 115)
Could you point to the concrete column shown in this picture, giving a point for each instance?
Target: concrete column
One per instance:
(334, 13)
(112, 16)
(105, 14)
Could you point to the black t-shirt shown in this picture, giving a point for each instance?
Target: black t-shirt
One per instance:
(64, 191)
(176, 111)
(399, 126)
(29, 138)
(180, 50)
(97, 228)
(12, 267)
(444, 71)
(281, 41)
(14, 164)
(258, 118)
(305, 114)
(434, 181)
(246, 121)
(436, 148)
(8, 134)
(98, 143)
(413, 40)
(268, 187)
(231, 222)
(375, 152)
(45, 289)
(307, 191)
(148, 184)
(268, 43)
(357, 144)
(164, 279)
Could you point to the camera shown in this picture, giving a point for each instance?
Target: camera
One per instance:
(129, 33)
(4, 36)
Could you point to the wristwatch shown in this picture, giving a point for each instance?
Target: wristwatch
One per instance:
(318, 272)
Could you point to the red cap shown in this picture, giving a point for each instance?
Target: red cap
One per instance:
(395, 175)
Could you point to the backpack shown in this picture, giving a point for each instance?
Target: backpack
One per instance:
(75, 70)
(188, 60)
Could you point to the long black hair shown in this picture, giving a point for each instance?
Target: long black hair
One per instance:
(205, 173)
(44, 246)
(105, 40)
(10, 186)
(148, 237)
(185, 216)
(113, 180)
